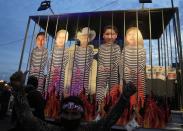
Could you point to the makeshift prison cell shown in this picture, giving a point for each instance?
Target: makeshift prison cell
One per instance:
(160, 29)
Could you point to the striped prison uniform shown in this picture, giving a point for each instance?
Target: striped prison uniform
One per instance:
(57, 65)
(38, 63)
(108, 57)
(82, 62)
(55, 82)
(132, 68)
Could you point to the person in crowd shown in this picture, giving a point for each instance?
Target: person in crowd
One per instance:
(72, 111)
(35, 98)
(4, 98)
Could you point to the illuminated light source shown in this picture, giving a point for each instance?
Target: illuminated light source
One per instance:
(1, 81)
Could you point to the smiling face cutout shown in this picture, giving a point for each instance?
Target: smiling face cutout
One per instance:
(134, 37)
(61, 38)
(40, 41)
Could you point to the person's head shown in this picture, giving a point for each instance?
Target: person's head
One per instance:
(32, 80)
(61, 38)
(17, 79)
(110, 34)
(40, 40)
(85, 36)
(134, 37)
(72, 112)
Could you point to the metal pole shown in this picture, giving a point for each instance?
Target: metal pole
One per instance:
(172, 3)
(137, 25)
(99, 43)
(165, 61)
(51, 11)
(159, 61)
(30, 48)
(51, 58)
(167, 47)
(124, 34)
(46, 31)
(23, 46)
(150, 50)
(73, 57)
(170, 40)
(111, 52)
(176, 62)
(63, 55)
(86, 51)
(180, 55)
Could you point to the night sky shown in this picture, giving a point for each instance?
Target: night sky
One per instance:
(14, 16)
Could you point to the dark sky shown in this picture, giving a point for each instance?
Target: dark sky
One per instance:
(14, 16)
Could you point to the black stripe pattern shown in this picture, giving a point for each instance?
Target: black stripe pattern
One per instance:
(132, 68)
(83, 58)
(108, 60)
(38, 63)
(55, 77)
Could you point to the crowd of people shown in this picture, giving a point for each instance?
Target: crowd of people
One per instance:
(28, 111)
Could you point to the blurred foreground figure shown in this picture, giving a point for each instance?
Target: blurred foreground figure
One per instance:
(35, 99)
(72, 111)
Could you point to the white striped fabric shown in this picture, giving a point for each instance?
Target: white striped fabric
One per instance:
(134, 59)
(108, 57)
(38, 63)
(81, 66)
(55, 77)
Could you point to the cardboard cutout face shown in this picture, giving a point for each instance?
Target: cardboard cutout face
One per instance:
(109, 36)
(61, 38)
(40, 41)
(84, 39)
(131, 38)
(85, 36)
(134, 37)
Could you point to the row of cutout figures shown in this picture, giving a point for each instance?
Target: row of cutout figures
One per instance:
(74, 71)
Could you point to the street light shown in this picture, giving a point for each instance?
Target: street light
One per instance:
(144, 1)
(45, 5)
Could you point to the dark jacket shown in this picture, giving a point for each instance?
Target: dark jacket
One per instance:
(36, 101)
(30, 123)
